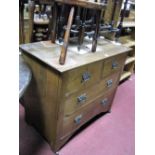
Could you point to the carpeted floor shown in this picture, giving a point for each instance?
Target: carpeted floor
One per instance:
(111, 134)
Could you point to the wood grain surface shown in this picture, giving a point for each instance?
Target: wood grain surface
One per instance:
(49, 53)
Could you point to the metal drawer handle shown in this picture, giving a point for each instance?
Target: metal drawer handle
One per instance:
(82, 98)
(77, 119)
(86, 76)
(109, 83)
(104, 102)
(114, 65)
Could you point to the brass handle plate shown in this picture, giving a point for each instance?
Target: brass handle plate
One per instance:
(77, 119)
(86, 76)
(114, 65)
(81, 99)
(109, 83)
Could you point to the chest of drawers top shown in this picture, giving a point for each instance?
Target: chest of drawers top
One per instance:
(49, 54)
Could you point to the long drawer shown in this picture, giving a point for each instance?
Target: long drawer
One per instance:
(73, 122)
(81, 78)
(113, 64)
(82, 98)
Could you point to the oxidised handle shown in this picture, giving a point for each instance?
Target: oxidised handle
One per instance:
(109, 83)
(114, 65)
(77, 119)
(104, 102)
(82, 98)
(86, 76)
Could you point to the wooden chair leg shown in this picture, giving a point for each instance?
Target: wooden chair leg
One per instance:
(54, 23)
(21, 22)
(94, 44)
(66, 37)
(31, 19)
(50, 23)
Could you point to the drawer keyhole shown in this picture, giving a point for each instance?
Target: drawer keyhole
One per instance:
(86, 76)
(77, 119)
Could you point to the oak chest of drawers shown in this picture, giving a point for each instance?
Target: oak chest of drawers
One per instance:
(61, 99)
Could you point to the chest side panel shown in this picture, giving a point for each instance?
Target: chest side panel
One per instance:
(41, 98)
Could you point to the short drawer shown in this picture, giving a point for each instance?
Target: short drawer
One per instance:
(101, 104)
(82, 98)
(81, 78)
(113, 64)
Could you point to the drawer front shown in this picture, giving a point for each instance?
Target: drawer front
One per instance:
(82, 98)
(81, 78)
(101, 104)
(113, 64)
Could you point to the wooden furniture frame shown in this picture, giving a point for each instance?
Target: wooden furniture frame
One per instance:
(62, 98)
